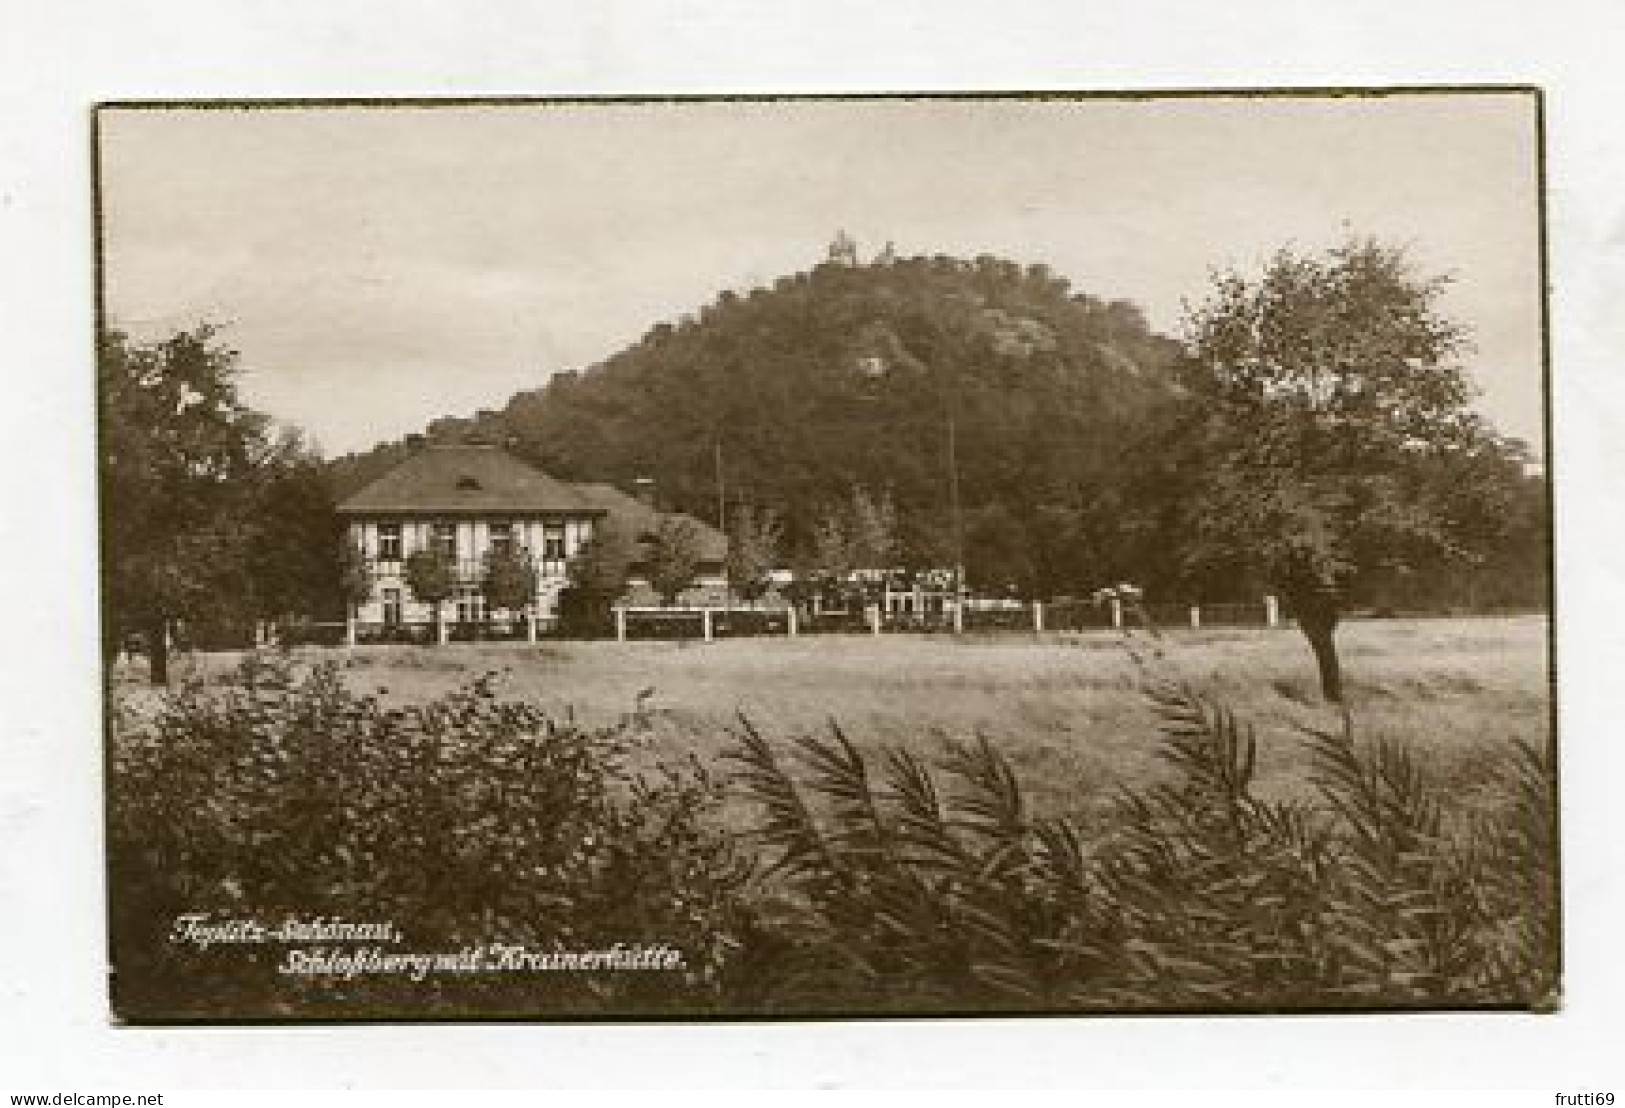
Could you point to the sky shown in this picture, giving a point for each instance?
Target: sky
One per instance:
(379, 267)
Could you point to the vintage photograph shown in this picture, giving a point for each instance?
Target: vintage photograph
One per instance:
(788, 557)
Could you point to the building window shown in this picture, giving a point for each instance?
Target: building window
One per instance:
(445, 539)
(553, 542)
(392, 605)
(389, 542)
(501, 538)
(470, 604)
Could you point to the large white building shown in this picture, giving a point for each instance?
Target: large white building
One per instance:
(469, 498)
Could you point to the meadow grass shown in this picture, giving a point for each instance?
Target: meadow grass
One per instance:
(1067, 711)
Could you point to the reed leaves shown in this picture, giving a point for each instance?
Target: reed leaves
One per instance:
(917, 883)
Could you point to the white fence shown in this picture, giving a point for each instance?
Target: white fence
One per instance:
(1037, 617)
(637, 622)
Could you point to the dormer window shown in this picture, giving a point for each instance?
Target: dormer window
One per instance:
(466, 483)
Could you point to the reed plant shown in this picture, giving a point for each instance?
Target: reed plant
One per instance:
(913, 886)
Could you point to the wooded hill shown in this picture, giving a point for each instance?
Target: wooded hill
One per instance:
(848, 376)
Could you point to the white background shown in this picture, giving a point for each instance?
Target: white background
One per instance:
(56, 59)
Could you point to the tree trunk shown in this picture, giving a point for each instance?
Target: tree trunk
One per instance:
(158, 651)
(1316, 611)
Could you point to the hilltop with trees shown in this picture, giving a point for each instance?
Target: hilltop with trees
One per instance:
(854, 375)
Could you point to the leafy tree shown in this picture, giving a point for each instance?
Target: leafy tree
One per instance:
(601, 566)
(355, 577)
(1326, 392)
(672, 557)
(925, 540)
(1074, 549)
(872, 531)
(1517, 571)
(859, 538)
(431, 574)
(753, 551)
(832, 563)
(999, 554)
(292, 534)
(509, 577)
(598, 574)
(179, 455)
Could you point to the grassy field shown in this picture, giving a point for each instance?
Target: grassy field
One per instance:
(1068, 712)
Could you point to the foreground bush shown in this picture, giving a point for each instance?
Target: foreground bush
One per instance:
(913, 890)
(466, 820)
(885, 884)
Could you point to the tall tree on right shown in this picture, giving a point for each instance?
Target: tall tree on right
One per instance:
(1326, 398)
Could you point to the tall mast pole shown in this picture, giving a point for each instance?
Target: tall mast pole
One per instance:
(722, 492)
(954, 507)
(956, 513)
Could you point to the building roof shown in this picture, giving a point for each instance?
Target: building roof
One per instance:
(642, 519)
(468, 478)
(465, 478)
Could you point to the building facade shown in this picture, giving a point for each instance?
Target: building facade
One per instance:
(468, 499)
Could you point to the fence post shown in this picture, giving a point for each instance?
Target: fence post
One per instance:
(1272, 612)
(959, 617)
(1196, 618)
(705, 623)
(874, 618)
(620, 624)
(1038, 616)
(1117, 614)
(530, 622)
(349, 629)
(790, 624)
(442, 630)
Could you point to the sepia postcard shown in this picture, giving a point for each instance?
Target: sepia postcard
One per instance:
(806, 557)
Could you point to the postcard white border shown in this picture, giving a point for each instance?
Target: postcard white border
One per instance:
(57, 59)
